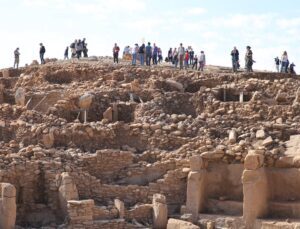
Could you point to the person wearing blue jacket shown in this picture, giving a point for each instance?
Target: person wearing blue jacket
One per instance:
(148, 54)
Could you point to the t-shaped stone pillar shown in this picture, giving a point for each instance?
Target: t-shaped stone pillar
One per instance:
(8, 207)
(85, 102)
(160, 212)
(67, 191)
(195, 196)
(255, 189)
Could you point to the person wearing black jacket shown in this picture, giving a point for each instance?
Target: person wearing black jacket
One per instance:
(235, 59)
(42, 53)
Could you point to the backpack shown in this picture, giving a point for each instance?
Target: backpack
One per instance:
(141, 49)
(72, 46)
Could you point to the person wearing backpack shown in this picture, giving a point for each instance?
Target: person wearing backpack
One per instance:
(17, 58)
(73, 50)
(42, 53)
(141, 54)
(277, 63)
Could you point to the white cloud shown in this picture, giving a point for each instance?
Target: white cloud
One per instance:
(196, 11)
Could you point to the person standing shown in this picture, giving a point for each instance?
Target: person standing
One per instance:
(175, 57)
(17, 58)
(148, 54)
(79, 49)
(202, 61)
(195, 64)
(154, 54)
(249, 59)
(186, 59)
(116, 50)
(292, 70)
(284, 62)
(142, 53)
(277, 63)
(135, 51)
(235, 59)
(42, 53)
(84, 48)
(66, 54)
(73, 50)
(170, 55)
(181, 52)
(160, 57)
(191, 54)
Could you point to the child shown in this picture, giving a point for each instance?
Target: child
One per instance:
(195, 62)
(186, 59)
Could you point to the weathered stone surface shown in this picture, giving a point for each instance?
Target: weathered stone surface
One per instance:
(160, 211)
(121, 208)
(8, 207)
(253, 161)
(85, 101)
(179, 224)
(20, 96)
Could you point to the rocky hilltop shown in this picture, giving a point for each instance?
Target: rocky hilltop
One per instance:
(90, 145)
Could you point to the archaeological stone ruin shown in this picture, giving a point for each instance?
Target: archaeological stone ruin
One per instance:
(94, 145)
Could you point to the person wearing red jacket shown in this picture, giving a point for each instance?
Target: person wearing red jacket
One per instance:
(186, 59)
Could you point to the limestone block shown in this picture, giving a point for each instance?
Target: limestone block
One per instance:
(260, 134)
(197, 163)
(175, 84)
(85, 101)
(108, 114)
(253, 161)
(121, 208)
(160, 211)
(195, 193)
(5, 73)
(232, 136)
(8, 207)
(48, 140)
(20, 96)
(135, 86)
(67, 190)
(256, 193)
(268, 141)
(180, 224)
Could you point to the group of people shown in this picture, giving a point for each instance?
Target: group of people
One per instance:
(285, 64)
(17, 55)
(78, 49)
(235, 58)
(153, 54)
(186, 58)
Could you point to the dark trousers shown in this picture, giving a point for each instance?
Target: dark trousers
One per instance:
(154, 59)
(42, 58)
(148, 59)
(78, 54)
(116, 57)
(195, 64)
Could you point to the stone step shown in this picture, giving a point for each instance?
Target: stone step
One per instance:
(284, 209)
(230, 207)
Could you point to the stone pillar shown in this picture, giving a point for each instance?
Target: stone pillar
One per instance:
(67, 191)
(121, 208)
(108, 114)
(115, 112)
(5, 73)
(1, 93)
(195, 196)
(160, 211)
(8, 207)
(20, 96)
(85, 101)
(255, 189)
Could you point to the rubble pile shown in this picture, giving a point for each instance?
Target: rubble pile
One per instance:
(95, 145)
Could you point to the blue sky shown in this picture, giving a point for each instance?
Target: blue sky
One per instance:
(215, 26)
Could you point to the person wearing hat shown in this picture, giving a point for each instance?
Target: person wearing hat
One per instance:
(17, 58)
(249, 59)
(42, 53)
(135, 51)
(148, 54)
